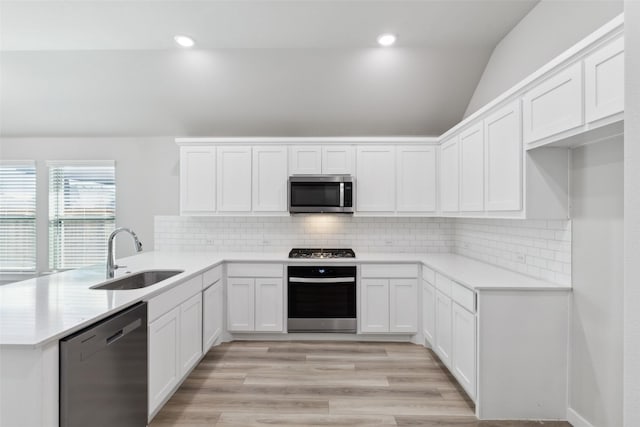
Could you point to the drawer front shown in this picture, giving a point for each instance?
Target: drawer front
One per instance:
(211, 276)
(390, 270)
(428, 275)
(444, 284)
(254, 270)
(463, 296)
(165, 302)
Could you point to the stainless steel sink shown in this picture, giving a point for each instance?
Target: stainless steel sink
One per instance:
(138, 280)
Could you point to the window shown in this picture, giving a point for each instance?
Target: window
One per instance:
(82, 212)
(17, 217)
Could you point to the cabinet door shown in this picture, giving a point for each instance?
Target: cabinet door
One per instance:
(234, 179)
(269, 302)
(416, 178)
(305, 160)
(374, 305)
(375, 184)
(197, 180)
(190, 333)
(449, 177)
(428, 312)
(212, 315)
(269, 189)
(472, 169)
(164, 357)
(240, 304)
(443, 328)
(553, 106)
(604, 81)
(503, 160)
(403, 305)
(338, 159)
(464, 348)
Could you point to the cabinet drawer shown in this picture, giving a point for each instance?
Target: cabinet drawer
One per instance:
(463, 296)
(210, 277)
(444, 284)
(174, 297)
(428, 275)
(254, 270)
(390, 270)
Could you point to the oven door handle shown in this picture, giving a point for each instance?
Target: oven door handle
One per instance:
(322, 279)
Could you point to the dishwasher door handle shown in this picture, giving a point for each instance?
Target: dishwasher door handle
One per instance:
(100, 341)
(124, 331)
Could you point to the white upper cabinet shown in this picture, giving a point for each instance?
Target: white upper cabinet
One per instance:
(234, 179)
(375, 182)
(449, 177)
(553, 106)
(416, 178)
(338, 160)
(305, 160)
(472, 169)
(604, 81)
(197, 180)
(269, 190)
(503, 159)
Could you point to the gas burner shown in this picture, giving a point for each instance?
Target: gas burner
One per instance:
(321, 253)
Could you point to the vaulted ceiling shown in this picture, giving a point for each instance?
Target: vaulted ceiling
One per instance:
(259, 67)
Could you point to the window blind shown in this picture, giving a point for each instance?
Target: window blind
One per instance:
(18, 217)
(82, 213)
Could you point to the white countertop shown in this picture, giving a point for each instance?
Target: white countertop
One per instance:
(37, 311)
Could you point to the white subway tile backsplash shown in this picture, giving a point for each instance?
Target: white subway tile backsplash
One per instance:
(546, 245)
(538, 248)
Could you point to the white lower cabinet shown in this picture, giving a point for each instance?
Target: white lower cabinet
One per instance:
(388, 305)
(175, 339)
(403, 305)
(164, 357)
(212, 315)
(443, 328)
(268, 306)
(429, 312)
(190, 333)
(255, 304)
(374, 307)
(240, 304)
(464, 348)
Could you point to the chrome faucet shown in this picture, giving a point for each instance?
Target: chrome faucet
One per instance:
(111, 262)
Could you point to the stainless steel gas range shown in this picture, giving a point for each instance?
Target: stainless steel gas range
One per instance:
(322, 298)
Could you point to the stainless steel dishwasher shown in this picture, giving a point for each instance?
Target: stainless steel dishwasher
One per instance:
(103, 372)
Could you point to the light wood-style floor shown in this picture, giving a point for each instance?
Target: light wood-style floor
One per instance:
(250, 383)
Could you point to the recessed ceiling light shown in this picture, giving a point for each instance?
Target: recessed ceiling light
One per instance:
(386, 39)
(184, 41)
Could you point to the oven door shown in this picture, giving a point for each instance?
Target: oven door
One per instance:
(322, 304)
(310, 194)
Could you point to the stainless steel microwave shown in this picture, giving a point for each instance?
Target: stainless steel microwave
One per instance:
(321, 193)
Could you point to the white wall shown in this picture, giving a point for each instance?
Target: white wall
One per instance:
(146, 179)
(595, 365)
(632, 217)
(549, 29)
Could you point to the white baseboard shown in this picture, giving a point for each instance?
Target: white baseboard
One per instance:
(576, 420)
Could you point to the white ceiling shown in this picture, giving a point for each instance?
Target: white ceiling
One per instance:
(260, 67)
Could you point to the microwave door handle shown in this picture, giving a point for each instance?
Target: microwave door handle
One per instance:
(342, 194)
